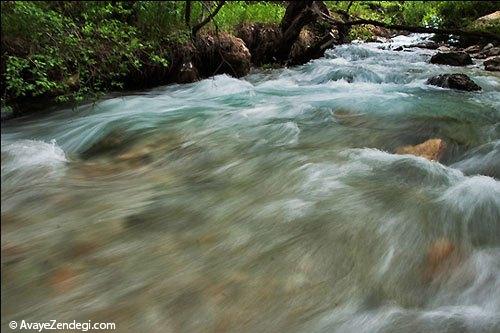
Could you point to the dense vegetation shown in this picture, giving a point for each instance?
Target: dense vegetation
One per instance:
(68, 51)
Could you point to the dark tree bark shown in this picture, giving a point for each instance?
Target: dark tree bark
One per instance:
(293, 10)
(298, 14)
(187, 13)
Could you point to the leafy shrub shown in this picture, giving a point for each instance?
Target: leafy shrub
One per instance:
(68, 51)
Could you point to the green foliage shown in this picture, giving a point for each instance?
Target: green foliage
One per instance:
(162, 20)
(237, 12)
(75, 50)
(439, 14)
(444, 14)
(360, 32)
(69, 51)
(455, 14)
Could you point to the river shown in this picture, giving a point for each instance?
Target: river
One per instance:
(271, 203)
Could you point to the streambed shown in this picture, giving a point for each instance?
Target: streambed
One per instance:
(272, 203)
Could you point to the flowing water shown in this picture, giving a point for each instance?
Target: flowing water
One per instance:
(272, 203)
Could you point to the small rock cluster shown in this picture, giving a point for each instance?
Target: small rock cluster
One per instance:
(489, 52)
(457, 81)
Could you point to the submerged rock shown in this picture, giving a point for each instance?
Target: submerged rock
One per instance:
(438, 260)
(439, 251)
(492, 64)
(431, 149)
(111, 142)
(451, 58)
(454, 81)
(63, 279)
(377, 39)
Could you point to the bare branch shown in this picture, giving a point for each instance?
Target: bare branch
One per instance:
(200, 25)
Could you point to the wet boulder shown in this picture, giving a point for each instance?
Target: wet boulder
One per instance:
(452, 58)
(473, 49)
(492, 64)
(432, 149)
(488, 47)
(454, 81)
(488, 51)
(492, 52)
(237, 54)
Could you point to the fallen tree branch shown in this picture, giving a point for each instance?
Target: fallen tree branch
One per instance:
(409, 28)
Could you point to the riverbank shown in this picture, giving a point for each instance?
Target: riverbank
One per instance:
(63, 54)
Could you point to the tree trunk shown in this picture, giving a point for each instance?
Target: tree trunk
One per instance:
(298, 14)
(187, 13)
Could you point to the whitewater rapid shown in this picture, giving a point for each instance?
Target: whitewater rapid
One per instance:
(271, 203)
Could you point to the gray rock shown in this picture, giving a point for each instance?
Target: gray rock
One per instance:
(494, 51)
(473, 49)
(488, 46)
(451, 59)
(492, 64)
(454, 81)
(490, 52)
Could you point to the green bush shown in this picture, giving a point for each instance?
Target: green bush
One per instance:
(73, 50)
(236, 12)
